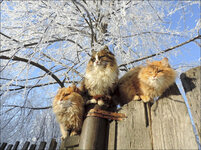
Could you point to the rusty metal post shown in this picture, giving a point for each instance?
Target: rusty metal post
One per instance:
(94, 133)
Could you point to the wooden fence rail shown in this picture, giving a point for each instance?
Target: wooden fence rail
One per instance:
(27, 146)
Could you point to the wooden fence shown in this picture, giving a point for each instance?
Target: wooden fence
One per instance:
(164, 125)
(27, 146)
(169, 125)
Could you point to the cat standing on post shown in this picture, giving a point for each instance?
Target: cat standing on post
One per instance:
(146, 82)
(101, 76)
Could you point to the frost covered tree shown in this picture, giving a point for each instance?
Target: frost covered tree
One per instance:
(46, 45)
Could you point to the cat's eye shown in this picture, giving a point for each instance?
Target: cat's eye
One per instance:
(93, 59)
(101, 57)
(159, 71)
(66, 94)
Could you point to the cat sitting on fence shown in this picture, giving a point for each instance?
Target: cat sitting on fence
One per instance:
(145, 82)
(68, 106)
(101, 77)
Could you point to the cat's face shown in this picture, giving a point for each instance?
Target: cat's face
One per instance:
(65, 94)
(102, 58)
(157, 73)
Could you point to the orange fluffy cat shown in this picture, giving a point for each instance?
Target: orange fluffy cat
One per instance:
(68, 106)
(146, 82)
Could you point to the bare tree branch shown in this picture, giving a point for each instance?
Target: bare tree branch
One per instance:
(24, 107)
(51, 41)
(93, 36)
(9, 37)
(15, 58)
(164, 51)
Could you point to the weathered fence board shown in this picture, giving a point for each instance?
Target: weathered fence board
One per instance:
(16, 145)
(171, 125)
(42, 146)
(131, 133)
(112, 140)
(192, 86)
(94, 126)
(26, 145)
(9, 147)
(52, 146)
(94, 133)
(168, 127)
(32, 147)
(71, 142)
(3, 146)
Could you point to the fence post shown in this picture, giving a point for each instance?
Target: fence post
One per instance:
(191, 83)
(94, 133)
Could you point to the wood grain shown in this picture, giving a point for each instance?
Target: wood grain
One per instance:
(171, 125)
(133, 132)
(192, 86)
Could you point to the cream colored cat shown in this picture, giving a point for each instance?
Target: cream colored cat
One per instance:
(146, 82)
(101, 76)
(68, 106)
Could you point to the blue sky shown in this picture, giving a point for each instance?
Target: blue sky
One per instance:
(189, 53)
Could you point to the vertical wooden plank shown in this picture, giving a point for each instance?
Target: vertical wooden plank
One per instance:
(133, 132)
(32, 147)
(94, 133)
(16, 145)
(112, 139)
(70, 142)
(171, 125)
(42, 146)
(26, 145)
(9, 147)
(53, 145)
(191, 83)
(3, 146)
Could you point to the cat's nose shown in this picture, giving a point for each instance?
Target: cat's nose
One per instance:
(154, 77)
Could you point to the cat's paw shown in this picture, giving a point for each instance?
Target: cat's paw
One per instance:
(136, 98)
(145, 99)
(92, 101)
(63, 138)
(73, 133)
(101, 102)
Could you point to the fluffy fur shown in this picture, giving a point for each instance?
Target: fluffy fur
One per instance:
(146, 82)
(101, 75)
(68, 106)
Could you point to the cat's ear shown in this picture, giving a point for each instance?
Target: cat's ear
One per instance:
(74, 86)
(75, 89)
(106, 48)
(148, 62)
(165, 62)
